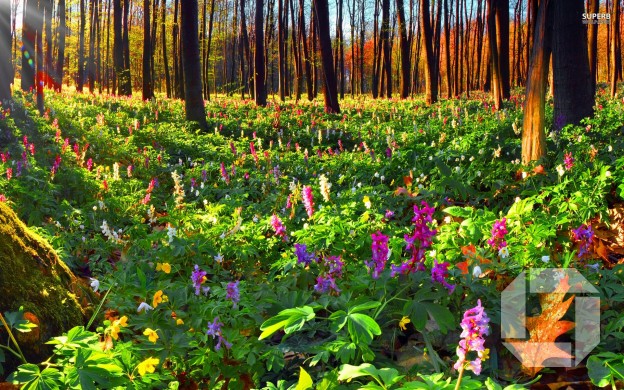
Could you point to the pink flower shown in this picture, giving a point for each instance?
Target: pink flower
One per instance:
(499, 230)
(308, 200)
(568, 161)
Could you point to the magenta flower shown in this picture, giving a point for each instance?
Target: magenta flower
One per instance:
(499, 230)
(308, 200)
(90, 164)
(439, 273)
(326, 281)
(380, 254)
(279, 228)
(224, 174)
(568, 160)
(584, 235)
(198, 278)
(422, 235)
(474, 327)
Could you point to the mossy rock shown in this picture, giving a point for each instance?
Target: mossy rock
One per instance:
(32, 276)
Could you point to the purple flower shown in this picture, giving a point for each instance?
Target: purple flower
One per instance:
(233, 148)
(389, 214)
(198, 278)
(303, 256)
(224, 173)
(499, 230)
(584, 235)
(439, 273)
(308, 200)
(421, 235)
(325, 283)
(214, 330)
(380, 254)
(474, 327)
(288, 201)
(568, 161)
(232, 292)
(279, 228)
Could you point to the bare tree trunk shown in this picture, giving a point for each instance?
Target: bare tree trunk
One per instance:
(6, 66)
(502, 40)
(39, 57)
(404, 45)
(148, 90)
(533, 136)
(593, 45)
(615, 50)
(280, 48)
(479, 35)
(306, 55)
(259, 56)
(431, 77)
(125, 81)
(193, 99)
(81, 34)
(175, 54)
(494, 56)
(164, 48)
(60, 59)
(48, 66)
(322, 26)
(385, 39)
(117, 46)
(376, 53)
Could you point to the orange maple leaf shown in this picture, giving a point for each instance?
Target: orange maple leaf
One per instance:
(544, 329)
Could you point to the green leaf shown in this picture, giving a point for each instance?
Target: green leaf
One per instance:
(31, 378)
(599, 374)
(364, 306)
(305, 380)
(93, 367)
(492, 385)
(456, 211)
(441, 315)
(362, 328)
(290, 319)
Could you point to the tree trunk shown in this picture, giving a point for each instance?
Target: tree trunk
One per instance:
(164, 48)
(81, 36)
(280, 50)
(502, 40)
(6, 67)
(175, 51)
(431, 77)
(125, 82)
(148, 91)
(322, 27)
(306, 53)
(48, 66)
(117, 47)
(60, 59)
(29, 36)
(533, 135)
(573, 98)
(615, 50)
(494, 56)
(385, 41)
(193, 99)
(404, 45)
(92, 40)
(40, 68)
(593, 45)
(207, 59)
(259, 67)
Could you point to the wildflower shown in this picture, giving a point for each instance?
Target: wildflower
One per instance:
(116, 326)
(308, 200)
(279, 228)
(144, 306)
(367, 202)
(179, 321)
(219, 258)
(151, 335)
(325, 283)
(503, 252)
(476, 271)
(95, 284)
(499, 230)
(178, 189)
(584, 234)
(303, 256)
(224, 174)
(214, 330)
(380, 254)
(147, 366)
(421, 235)
(545, 259)
(3, 198)
(560, 170)
(164, 267)
(475, 327)
(232, 292)
(404, 321)
(198, 277)
(389, 214)
(171, 233)
(568, 161)
(159, 297)
(325, 187)
(439, 273)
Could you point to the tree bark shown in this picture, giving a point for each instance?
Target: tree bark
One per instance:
(404, 45)
(193, 99)
(502, 40)
(494, 56)
(306, 53)
(81, 38)
(6, 66)
(573, 98)
(60, 59)
(615, 49)
(259, 67)
(593, 45)
(431, 76)
(322, 26)
(385, 42)
(164, 48)
(29, 36)
(533, 136)
(117, 47)
(148, 91)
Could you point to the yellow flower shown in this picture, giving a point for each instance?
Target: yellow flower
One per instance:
(164, 267)
(147, 365)
(179, 321)
(159, 297)
(404, 321)
(115, 327)
(367, 202)
(485, 354)
(151, 335)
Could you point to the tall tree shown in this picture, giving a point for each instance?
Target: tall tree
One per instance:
(385, 42)
(245, 51)
(321, 8)
(6, 67)
(29, 35)
(163, 21)
(573, 97)
(40, 68)
(81, 42)
(259, 68)
(207, 59)
(593, 44)
(431, 75)
(126, 80)
(615, 47)
(117, 47)
(148, 91)
(306, 54)
(193, 99)
(533, 136)
(495, 59)
(404, 45)
(502, 40)
(60, 59)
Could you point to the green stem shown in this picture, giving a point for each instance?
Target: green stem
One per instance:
(14, 352)
(459, 378)
(95, 313)
(6, 326)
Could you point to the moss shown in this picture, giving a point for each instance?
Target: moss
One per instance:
(33, 276)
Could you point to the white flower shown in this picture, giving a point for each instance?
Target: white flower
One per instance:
(545, 259)
(95, 284)
(560, 170)
(433, 253)
(610, 148)
(608, 173)
(219, 258)
(222, 236)
(503, 252)
(476, 271)
(171, 232)
(144, 306)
